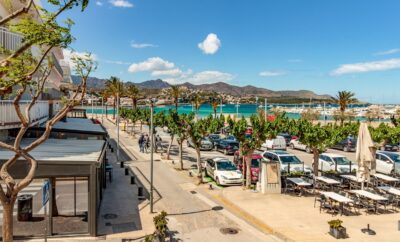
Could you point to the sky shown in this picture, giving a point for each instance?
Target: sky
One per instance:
(322, 46)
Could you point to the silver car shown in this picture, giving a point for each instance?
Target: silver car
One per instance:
(206, 144)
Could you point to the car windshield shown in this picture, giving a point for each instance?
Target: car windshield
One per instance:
(226, 166)
(341, 160)
(290, 159)
(215, 136)
(255, 163)
(233, 143)
(393, 156)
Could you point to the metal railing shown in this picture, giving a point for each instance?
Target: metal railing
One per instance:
(9, 40)
(9, 118)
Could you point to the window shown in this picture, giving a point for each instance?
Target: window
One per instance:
(290, 159)
(226, 166)
(384, 158)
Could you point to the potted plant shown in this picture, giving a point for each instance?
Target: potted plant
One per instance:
(336, 229)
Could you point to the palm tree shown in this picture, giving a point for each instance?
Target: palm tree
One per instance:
(197, 100)
(114, 88)
(214, 103)
(343, 99)
(175, 92)
(133, 93)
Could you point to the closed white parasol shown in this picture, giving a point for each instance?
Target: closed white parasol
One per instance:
(365, 154)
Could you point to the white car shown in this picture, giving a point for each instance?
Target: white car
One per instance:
(223, 171)
(336, 162)
(296, 144)
(279, 143)
(288, 161)
(387, 162)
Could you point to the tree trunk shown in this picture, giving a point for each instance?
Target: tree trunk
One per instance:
(199, 168)
(169, 146)
(316, 161)
(180, 142)
(248, 170)
(8, 222)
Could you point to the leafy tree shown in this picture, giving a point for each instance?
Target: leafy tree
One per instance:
(22, 72)
(197, 100)
(230, 122)
(310, 114)
(197, 130)
(248, 144)
(384, 134)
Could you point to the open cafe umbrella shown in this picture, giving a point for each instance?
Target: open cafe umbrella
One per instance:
(365, 154)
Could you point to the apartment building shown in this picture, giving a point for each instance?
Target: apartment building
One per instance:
(59, 75)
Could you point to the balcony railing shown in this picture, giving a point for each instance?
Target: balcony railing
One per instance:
(58, 66)
(9, 40)
(9, 118)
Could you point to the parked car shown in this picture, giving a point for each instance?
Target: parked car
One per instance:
(296, 144)
(389, 147)
(279, 143)
(228, 147)
(336, 162)
(287, 137)
(230, 137)
(256, 160)
(387, 162)
(223, 171)
(347, 145)
(206, 144)
(215, 138)
(285, 159)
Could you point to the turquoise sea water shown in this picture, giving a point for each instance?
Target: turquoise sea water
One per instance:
(245, 110)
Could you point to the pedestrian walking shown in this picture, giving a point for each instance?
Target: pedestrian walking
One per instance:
(146, 142)
(141, 143)
(159, 143)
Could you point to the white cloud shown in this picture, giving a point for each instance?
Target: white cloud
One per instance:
(170, 72)
(68, 55)
(116, 62)
(210, 45)
(204, 77)
(98, 3)
(388, 52)
(151, 64)
(361, 67)
(142, 45)
(121, 3)
(271, 73)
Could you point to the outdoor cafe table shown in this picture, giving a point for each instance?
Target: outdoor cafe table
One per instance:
(374, 197)
(390, 190)
(338, 198)
(300, 183)
(386, 178)
(352, 179)
(328, 181)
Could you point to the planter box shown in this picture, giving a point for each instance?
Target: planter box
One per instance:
(338, 233)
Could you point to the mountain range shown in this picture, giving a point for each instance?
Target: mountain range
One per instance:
(222, 87)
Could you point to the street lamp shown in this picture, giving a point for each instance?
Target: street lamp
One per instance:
(152, 102)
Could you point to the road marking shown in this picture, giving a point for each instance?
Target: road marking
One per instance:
(244, 225)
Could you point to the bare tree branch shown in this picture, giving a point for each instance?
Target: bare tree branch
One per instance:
(29, 177)
(5, 176)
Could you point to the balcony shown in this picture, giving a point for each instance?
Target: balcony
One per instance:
(9, 119)
(9, 40)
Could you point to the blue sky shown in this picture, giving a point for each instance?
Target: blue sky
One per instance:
(323, 46)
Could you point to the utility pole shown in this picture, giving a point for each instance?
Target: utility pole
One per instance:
(117, 121)
(151, 155)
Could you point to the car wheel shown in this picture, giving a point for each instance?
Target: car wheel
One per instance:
(291, 146)
(308, 150)
(345, 149)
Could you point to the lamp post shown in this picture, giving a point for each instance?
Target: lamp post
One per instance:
(117, 121)
(152, 101)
